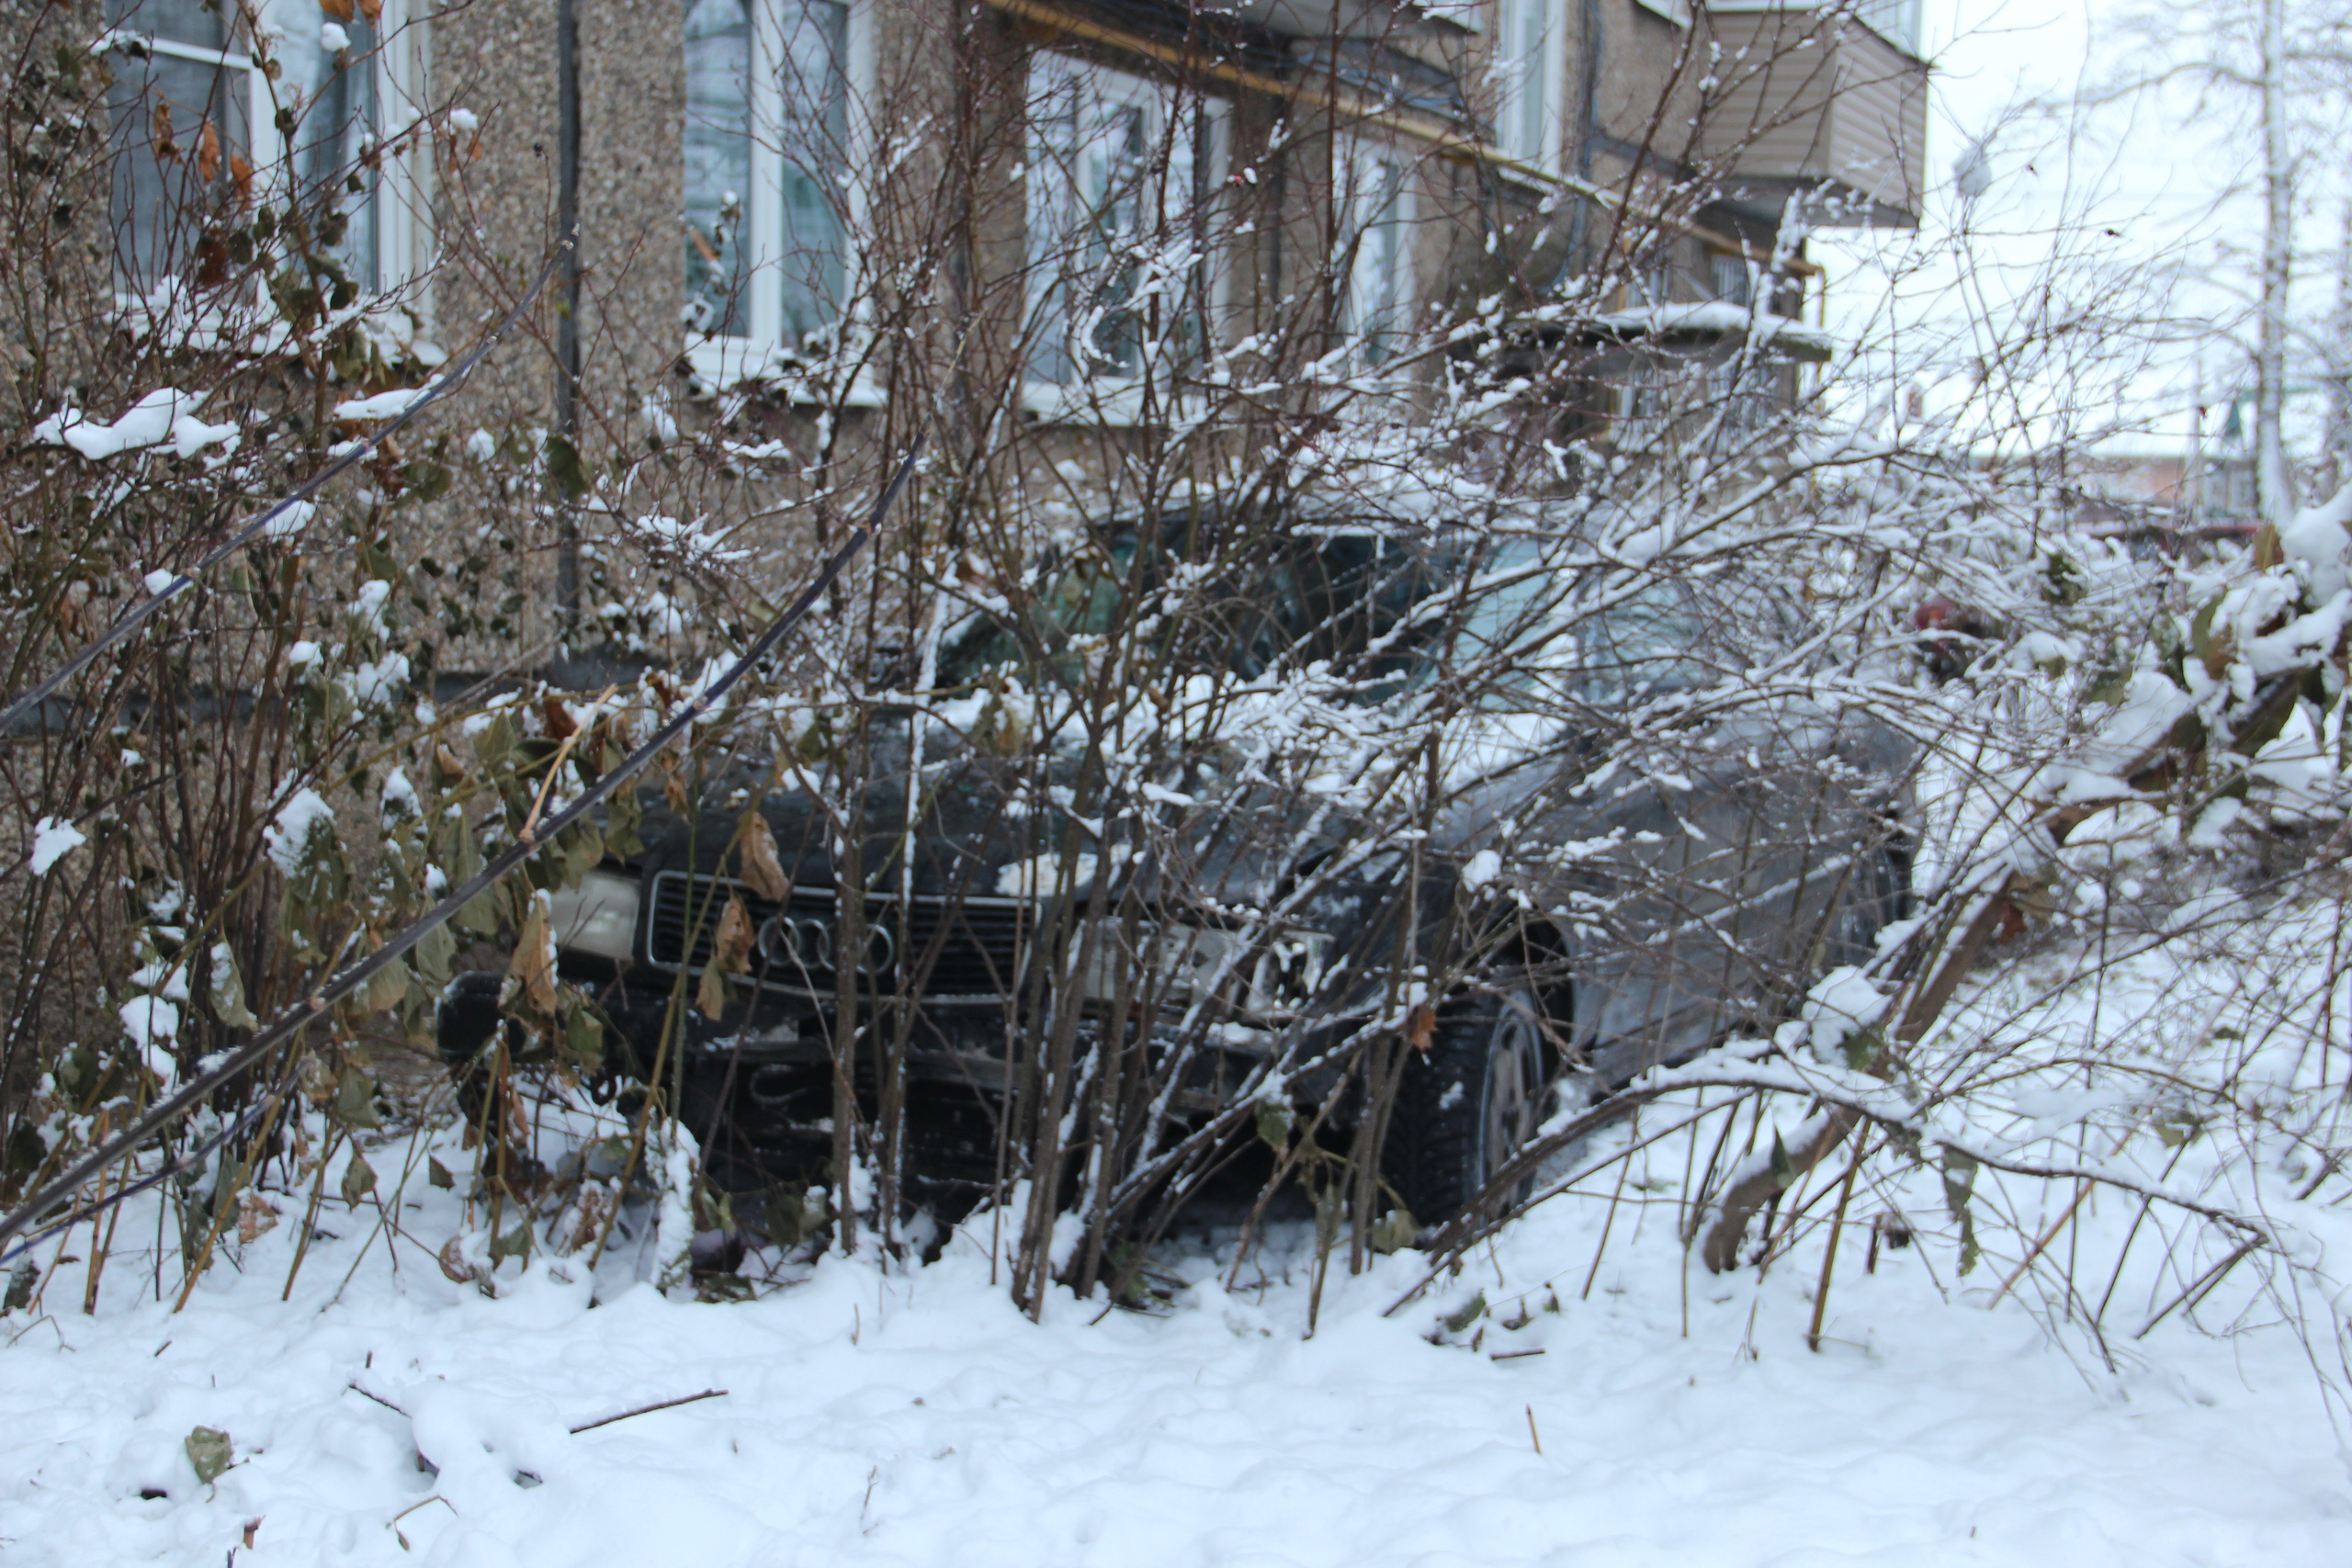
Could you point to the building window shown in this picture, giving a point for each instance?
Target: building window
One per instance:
(766, 138)
(1375, 208)
(1116, 219)
(206, 125)
(1732, 281)
(1531, 60)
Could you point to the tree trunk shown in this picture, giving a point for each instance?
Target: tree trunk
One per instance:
(2271, 489)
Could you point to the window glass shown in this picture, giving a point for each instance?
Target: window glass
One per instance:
(767, 140)
(191, 22)
(1377, 305)
(1103, 173)
(1525, 59)
(329, 88)
(718, 165)
(1501, 619)
(187, 159)
(1080, 599)
(176, 117)
(815, 144)
(1731, 279)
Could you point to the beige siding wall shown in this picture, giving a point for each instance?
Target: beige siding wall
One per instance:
(1798, 104)
(1880, 119)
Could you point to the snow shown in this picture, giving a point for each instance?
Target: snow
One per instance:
(149, 1021)
(1840, 1002)
(2319, 537)
(401, 803)
(383, 405)
(292, 517)
(1480, 869)
(305, 814)
(52, 836)
(1718, 320)
(368, 609)
(1041, 874)
(912, 1415)
(1599, 1398)
(688, 539)
(373, 683)
(164, 417)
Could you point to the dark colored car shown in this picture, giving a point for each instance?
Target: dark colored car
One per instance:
(1647, 916)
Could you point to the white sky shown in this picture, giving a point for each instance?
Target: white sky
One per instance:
(2107, 216)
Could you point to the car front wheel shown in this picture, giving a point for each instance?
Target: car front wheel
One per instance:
(1468, 1103)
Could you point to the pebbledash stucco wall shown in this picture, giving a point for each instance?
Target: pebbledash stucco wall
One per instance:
(495, 213)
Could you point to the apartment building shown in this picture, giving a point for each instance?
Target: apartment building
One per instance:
(823, 208)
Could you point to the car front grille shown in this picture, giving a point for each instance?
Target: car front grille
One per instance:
(941, 950)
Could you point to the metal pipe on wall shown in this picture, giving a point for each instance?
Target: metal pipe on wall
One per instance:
(567, 326)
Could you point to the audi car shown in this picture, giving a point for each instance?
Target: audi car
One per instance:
(1642, 916)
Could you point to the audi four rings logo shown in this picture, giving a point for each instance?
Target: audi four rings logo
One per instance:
(806, 942)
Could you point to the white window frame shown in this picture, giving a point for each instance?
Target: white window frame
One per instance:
(1377, 187)
(761, 351)
(1531, 54)
(1101, 394)
(400, 193)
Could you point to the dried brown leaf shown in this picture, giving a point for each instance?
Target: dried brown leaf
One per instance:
(730, 951)
(534, 965)
(255, 1217)
(1421, 1026)
(760, 867)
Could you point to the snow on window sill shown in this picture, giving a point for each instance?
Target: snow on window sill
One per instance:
(1111, 402)
(166, 316)
(734, 363)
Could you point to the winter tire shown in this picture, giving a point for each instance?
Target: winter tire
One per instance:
(1468, 1103)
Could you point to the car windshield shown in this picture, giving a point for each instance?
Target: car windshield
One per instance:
(1646, 643)
(1080, 601)
(1366, 604)
(1328, 597)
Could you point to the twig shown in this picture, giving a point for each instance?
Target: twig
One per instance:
(296, 1018)
(395, 1525)
(649, 1409)
(381, 1400)
(2198, 1289)
(358, 452)
(2040, 1244)
(1829, 1258)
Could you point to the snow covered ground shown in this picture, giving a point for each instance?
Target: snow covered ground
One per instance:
(914, 1416)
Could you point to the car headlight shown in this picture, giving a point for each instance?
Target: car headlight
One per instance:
(597, 918)
(1184, 963)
